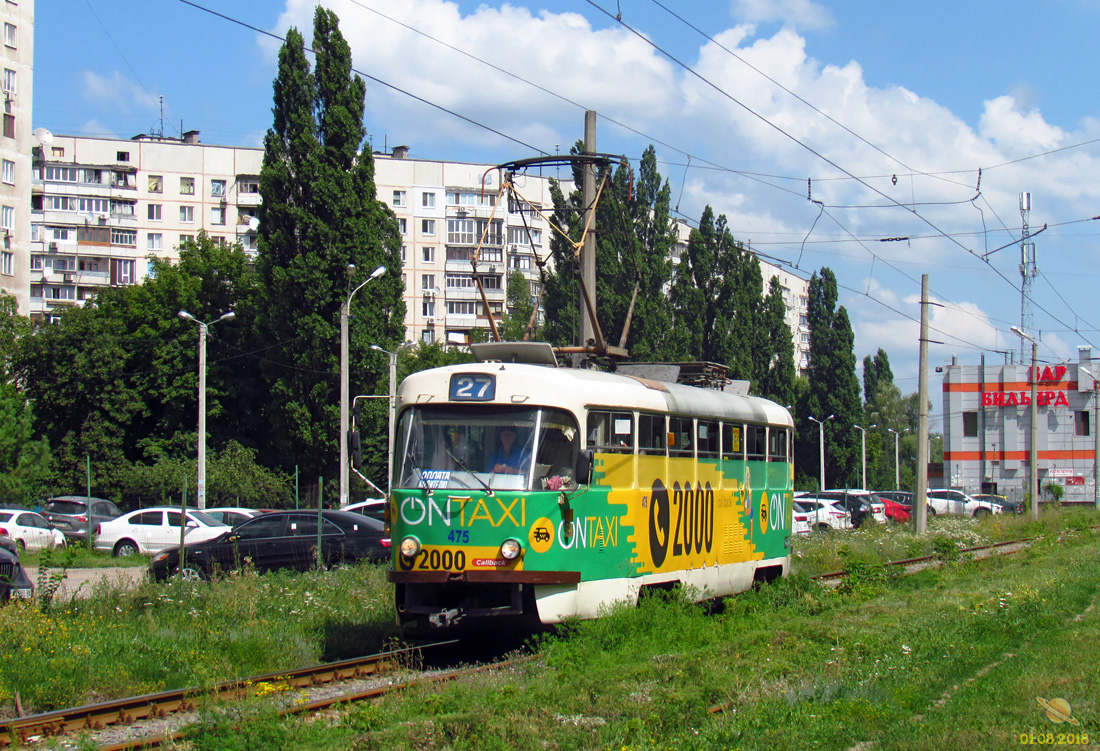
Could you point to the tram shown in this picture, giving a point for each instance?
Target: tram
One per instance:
(619, 483)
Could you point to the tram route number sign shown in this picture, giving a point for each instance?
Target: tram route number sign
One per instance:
(473, 387)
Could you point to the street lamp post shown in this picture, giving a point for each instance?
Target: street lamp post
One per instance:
(863, 448)
(393, 410)
(345, 376)
(821, 445)
(1033, 449)
(897, 464)
(1096, 432)
(200, 484)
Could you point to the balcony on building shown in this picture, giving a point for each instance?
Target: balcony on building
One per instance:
(248, 190)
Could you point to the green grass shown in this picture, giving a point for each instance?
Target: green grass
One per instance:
(78, 556)
(953, 657)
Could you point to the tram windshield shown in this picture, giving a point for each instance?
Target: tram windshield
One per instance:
(486, 448)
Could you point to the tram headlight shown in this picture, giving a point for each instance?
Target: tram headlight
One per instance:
(511, 549)
(410, 547)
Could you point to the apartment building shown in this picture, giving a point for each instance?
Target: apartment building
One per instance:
(100, 209)
(16, 140)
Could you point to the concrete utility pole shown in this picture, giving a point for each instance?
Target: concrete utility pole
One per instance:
(920, 498)
(863, 448)
(588, 253)
(1033, 448)
(1028, 269)
(821, 445)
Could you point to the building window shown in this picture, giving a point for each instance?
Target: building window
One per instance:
(58, 152)
(186, 239)
(461, 308)
(427, 282)
(490, 281)
(428, 254)
(217, 215)
(187, 186)
(400, 198)
(121, 208)
(402, 226)
(153, 240)
(428, 308)
(460, 281)
(60, 174)
(92, 176)
(9, 81)
(248, 185)
(7, 218)
(1081, 423)
(427, 226)
(9, 34)
(217, 188)
(187, 214)
(122, 156)
(127, 237)
(156, 183)
(7, 263)
(427, 200)
(427, 336)
(9, 126)
(154, 212)
(970, 424)
(519, 236)
(125, 271)
(9, 172)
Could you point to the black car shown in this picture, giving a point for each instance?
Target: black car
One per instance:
(857, 504)
(12, 576)
(280, 539)
(69, 513)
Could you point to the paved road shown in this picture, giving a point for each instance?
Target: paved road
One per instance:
(81, 582)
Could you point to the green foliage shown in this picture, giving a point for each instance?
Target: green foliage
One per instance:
(1055, 491)
(319, 214)
(521, 307)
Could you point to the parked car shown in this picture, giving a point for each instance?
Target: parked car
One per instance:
(375, 508)
(232, 515)
(30, 530)
(950, 501)
(862, 504)
(151, 530)
(821, 514)
(899, 504)
(14, 581)
(280, 539)
(70, 513)
(1007, 506)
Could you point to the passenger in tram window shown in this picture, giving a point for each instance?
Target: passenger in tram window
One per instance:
(508, 459)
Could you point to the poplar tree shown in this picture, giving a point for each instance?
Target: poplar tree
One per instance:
(833, 388)
(319, 214)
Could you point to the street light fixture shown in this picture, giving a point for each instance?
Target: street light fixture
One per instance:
(345, 315)
(1096, 432)
(200, 484)
(897, 465)
(863, 448)
(1033, 449)
(821, 445)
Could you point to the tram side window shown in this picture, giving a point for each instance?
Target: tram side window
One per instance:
(756, 442)
(611, 432)
(652, 438)
(679, 436)
(707, 443)
(731, 441)
(777, 444)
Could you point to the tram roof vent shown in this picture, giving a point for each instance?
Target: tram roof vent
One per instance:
(530, 353)
(709, 375)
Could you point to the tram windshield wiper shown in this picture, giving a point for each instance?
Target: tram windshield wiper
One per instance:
(467, 470)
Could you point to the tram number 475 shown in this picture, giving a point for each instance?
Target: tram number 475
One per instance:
(686, 520)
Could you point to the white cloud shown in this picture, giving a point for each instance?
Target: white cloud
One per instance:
(799, 14)
(125, 95)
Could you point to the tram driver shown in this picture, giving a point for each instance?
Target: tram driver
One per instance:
(508, 459)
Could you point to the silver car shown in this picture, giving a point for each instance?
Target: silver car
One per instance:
(70, 514)
(949, 501)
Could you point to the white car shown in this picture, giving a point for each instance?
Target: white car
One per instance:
(375, 508)
(232, 515)
(820, 515)
(858, 502)
(29, 530)
(947, 501)
(151, 530)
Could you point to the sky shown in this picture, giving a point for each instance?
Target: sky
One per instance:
(881, 140)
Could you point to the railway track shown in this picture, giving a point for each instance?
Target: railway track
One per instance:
(158, 708)
(915, 564)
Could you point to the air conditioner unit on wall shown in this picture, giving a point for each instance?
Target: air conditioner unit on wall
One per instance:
(429, 319)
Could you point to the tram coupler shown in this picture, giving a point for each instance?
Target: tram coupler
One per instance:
(446, 618)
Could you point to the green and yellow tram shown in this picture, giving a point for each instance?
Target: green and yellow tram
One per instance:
(541, 493)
